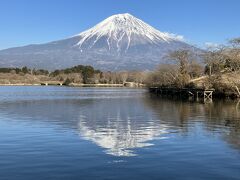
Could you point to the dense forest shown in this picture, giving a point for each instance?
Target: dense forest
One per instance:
(24, 70)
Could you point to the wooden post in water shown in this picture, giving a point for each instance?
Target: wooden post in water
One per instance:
(208, 95)
(197, 95)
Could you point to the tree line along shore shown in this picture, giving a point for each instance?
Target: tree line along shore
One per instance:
(216, 68)
(83, 76)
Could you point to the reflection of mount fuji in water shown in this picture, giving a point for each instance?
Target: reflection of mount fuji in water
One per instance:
(117, 122)
(122, 120)
(120, 135)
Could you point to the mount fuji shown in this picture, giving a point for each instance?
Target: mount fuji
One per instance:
(120, 42)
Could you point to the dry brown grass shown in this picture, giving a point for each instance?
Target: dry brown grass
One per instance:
(9, 78)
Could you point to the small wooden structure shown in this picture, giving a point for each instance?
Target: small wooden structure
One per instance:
(51, 83)
(208, 94)
(193, 93)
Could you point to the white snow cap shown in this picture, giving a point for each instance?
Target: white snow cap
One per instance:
(120, 25)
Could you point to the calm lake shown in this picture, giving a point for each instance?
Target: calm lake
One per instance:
(113, 133)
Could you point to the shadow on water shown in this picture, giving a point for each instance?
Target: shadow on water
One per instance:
(220, 117)
(123, 123)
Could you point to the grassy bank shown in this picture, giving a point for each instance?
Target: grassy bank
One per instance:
(10, 79)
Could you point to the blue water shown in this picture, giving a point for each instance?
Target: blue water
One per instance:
(113, 133)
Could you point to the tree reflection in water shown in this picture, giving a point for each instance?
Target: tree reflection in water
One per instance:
(219, 117)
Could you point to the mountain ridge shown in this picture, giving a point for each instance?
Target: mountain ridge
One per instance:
(120, 42)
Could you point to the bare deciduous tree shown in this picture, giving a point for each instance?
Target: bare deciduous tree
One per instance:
(164, 75)
(123, 76)
(183, 59)
(214, 60)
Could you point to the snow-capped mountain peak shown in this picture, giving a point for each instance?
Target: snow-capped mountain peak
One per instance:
(120, 32)
(120, 42)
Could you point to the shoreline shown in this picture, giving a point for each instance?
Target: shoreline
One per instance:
(20, 84)
(192, 93)
(96, 85)
(74, 85)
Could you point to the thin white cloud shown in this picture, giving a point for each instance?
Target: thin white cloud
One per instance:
(176, 36)
(211, 45)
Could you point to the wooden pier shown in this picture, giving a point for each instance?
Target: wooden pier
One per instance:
(191, 93)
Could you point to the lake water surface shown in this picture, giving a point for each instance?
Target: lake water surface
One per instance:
(114, 133)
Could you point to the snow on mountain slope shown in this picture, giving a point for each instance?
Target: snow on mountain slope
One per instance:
(118, 28)
(120, 42)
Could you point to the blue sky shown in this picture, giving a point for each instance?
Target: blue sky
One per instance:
(25, 22)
